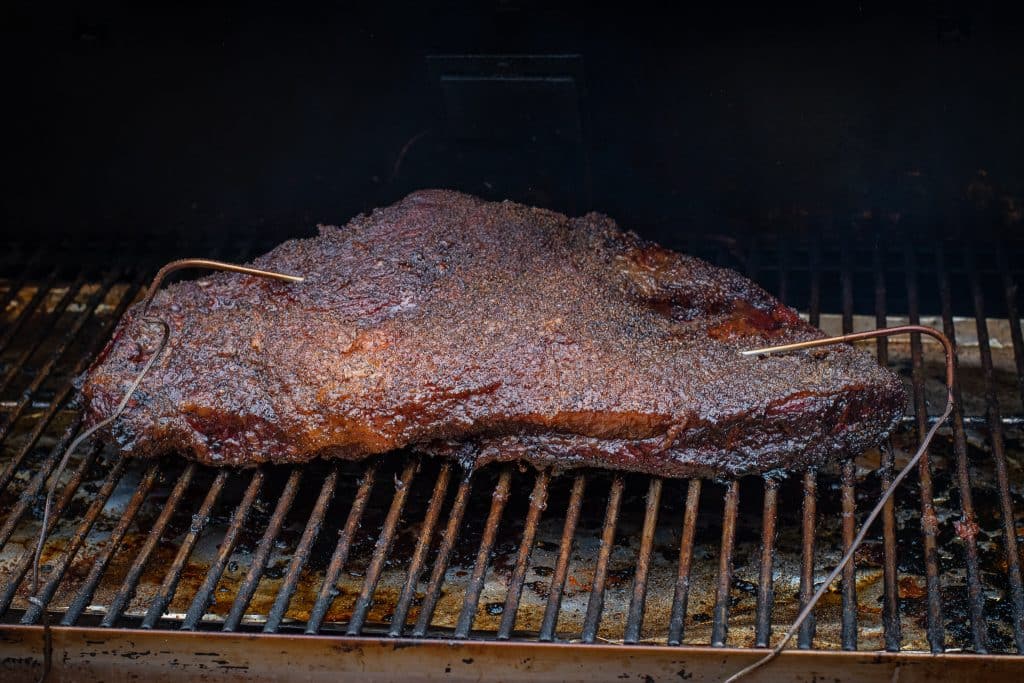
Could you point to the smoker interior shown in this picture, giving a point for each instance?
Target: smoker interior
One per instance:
(401, 546)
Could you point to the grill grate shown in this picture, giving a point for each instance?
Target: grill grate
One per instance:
(344, 548)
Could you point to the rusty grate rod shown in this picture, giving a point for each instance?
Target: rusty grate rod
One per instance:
(720, 625)
(766, 587)
(33, 438)
(572, 517)
(14, 576)
(681, 597)
(635, 615)
(31, 346)
(848, 475)
(382, 548)
(929, 520)
(1011, 549)
(66, 388)
(849, 578)
(62, 393)
(35, 610)
(204, 594)
(419, 555)
(18, 283)
(259, 560)
(301, 554)
(595, 606)
(328, 588)
(805, 638)
(1013, 315)
(483, 557)
(29, 310)
(99, 565)
(967, 527)
(165, 594)
(131, 580)
(444, 554)
(538, 502)
(891, 627)
(29, 493)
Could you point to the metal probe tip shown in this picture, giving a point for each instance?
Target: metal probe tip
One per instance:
(212, 265)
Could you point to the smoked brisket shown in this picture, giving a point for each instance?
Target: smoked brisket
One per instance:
(488, 331)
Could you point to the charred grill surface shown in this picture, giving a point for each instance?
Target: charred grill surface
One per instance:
(492, 331)
(669, 558)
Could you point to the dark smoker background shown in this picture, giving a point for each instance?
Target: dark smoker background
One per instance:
(720, 119)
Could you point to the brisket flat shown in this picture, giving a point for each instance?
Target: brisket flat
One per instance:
(488, 331)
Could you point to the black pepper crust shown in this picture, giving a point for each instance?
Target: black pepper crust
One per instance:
(450, 325)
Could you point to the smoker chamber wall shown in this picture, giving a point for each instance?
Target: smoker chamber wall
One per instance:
(145, 117)
(588, 556)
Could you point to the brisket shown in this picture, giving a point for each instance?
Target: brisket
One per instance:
(488, 331)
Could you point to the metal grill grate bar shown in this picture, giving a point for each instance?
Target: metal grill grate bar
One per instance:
(929, 521)
(35, 610)
(163, 597)
(302, 551)
(259, 560)
(999, 458)
(890, 580)
(26, 314)
(131, 580)
(681, 596)
(18, 284)
(968, 526)
(15, 576)
(419, 557)
(805, 637)
(28, 495)
(1013, 315)
(64, 391)
(848, 477)
(382, 548)
(444, 554)
(596, 604)
(766, 588)
(572, 518)
(720, 627)
(483, 556)
(538, 501)
(227, 545)
(81, 600)
(849, 580)
(635, 617)
(44, 331)
(328, 588)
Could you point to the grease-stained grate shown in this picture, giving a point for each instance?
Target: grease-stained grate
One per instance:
(401, 546)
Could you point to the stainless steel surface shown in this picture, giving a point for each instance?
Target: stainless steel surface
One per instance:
(90, 654)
